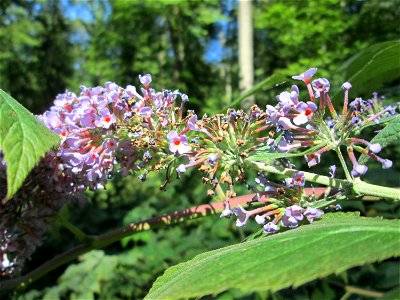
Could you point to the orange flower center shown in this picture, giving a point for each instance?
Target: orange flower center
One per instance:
(177, 142)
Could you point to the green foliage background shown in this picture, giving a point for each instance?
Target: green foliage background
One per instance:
(49, 46)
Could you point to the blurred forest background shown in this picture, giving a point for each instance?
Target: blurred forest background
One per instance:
(50, 46)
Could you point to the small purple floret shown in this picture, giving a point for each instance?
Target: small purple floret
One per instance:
(311, 213)
(242, 215)
(145, 79)
(270, 228)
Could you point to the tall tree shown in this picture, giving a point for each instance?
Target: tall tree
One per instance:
(246, 68)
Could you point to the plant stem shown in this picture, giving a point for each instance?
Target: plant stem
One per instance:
(79, 234)
(363, 188)
(356, 187)
(343, 163)
(363, 292)
(321, 179)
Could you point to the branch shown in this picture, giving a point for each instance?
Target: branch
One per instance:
(103, 240)
(356, 187)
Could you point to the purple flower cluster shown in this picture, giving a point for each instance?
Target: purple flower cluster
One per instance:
(280, 201)
(110, 125)
(301, 123)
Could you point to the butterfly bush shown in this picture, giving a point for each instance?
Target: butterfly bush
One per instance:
(112, 129)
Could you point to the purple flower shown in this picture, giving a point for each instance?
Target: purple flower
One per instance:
(291, 216)
(289, 221)
(285, 123)
(111, 86)
(184, 98)
(145, 79)
(226, 213)
(131, 92)
(321, 85)
(311, 213)
(106, 119)
(386, 163)
(358, 105)
(273, 113)
(242, 215)
(91, 158)
(94, 174)
(114, 96)
(192, 123)
(212, 159)
(359, 170)
(178, 143)
(332, 171)
(284, 146)
(356, 121)
(74, 161)
(88, 120)
(181, 168)
(306, 112)
(375, 148)
(270, 228)
(306, 76)
(295, 211)
(260, 219)
(346, 86)
(285, 99)
(145, 112)
(109, 145)
(52, 120)
(299, 179)
(313, 159)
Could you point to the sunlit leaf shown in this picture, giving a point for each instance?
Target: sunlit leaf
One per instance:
(266, 154)
(270, 82)
(371, 68)
(23, 141)
(336, 243)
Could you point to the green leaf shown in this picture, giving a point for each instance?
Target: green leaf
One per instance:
(371, 68)
(382, 121)
(23, 140)
(387, 136)
(266, 154)
(336, 243)
(270, 82)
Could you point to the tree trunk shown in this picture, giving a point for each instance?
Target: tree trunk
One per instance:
(245, 36)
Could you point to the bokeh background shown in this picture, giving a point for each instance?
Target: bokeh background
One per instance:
(50, 46)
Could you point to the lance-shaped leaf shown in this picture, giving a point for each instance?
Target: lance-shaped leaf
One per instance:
(23, 141)
(336, 243)
(371, 68)
(267, 155)
(268, 83)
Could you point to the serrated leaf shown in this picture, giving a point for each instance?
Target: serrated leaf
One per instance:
(23, 141)
(272, 81)
(371, 68)
(387, 136)
(266, 154)
(336, 243)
